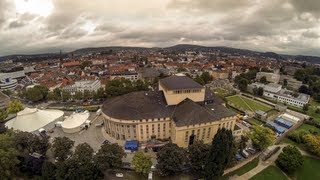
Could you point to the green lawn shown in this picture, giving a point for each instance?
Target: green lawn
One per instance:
(312, 110)
(248, 104)
(223, 92)
(272, 112)
(244, 169)
(308, 127)
(270, 173)
(254, 121)
(309, 170)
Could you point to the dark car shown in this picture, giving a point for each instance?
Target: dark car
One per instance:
(106, 142)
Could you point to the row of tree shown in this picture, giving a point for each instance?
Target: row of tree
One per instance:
(13, 107)
(309, 75)
(205, 160)
(204, 78)
(17, 148)
(243, 79)
(210, 161)
(114, 87)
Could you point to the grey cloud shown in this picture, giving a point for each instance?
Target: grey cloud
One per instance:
(209, 5)
(312, 6)
(310, 34)
(16, 24)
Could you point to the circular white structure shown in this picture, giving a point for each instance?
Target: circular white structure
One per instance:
(32, 119)
(73, 123)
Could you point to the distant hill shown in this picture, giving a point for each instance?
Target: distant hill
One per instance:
(176, 48)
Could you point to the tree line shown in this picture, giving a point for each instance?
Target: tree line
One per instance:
(113, 88)
(310, 76)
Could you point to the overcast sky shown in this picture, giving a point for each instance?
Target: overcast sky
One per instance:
(37, 26)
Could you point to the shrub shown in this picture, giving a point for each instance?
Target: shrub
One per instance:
(290, 159)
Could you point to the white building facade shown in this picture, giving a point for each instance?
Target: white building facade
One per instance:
(85, 85)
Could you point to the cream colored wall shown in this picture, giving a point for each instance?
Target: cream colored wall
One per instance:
(180, 132)
(174, 99)
(131, 129)
(118, 128)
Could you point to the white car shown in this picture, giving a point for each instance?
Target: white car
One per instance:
(119, 175)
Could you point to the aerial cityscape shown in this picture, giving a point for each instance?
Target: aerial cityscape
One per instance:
(166, 89)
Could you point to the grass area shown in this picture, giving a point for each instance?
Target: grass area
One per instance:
(272, 112)
(254, 121)
(307, 127)
(303, 127)
(244, 169)
(271, 172)
(309, 170)
(223, 92)
(248, 104)
(312, 110)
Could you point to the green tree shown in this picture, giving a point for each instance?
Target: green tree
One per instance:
(206, 77)
(78, 95)
(29, 143)
(260, 91)
(65, 95)
(220, 154)
(109, 156)
(312, 143)
(290, 159)
(61, 148)
(141, 162)
(85, 64)
(199, 80)
(82, 159)
(87, 95)
(305, 108)
(261, 137)
(15, 106)
(34, 94)
(285, 82)
(243, 142)
(243, 84)
(3, 115)
(43, 89)
(263, 80)
(198, 153)
(171, 159)
(8, 156)
(48, 171)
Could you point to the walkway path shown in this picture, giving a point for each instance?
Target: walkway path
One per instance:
(261, 166)
(264, 164)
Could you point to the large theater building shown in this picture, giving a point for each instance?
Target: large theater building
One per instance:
(181, 110)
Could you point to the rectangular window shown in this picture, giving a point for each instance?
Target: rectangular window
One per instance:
(203, 133)
(208, 134)
(187, 136)
(198, 134)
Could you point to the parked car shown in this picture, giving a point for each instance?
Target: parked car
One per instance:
(244, 153)
(119, 175)
(251, 150)
(238, 157)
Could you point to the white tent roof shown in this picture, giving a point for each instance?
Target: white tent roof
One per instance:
(32, 119)
(75, 120)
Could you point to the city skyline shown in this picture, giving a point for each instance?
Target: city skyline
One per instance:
(40, 26)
